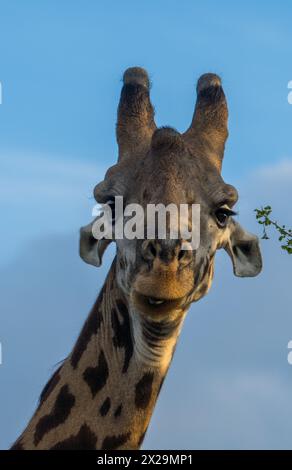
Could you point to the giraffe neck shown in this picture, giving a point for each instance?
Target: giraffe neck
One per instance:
(103, 395)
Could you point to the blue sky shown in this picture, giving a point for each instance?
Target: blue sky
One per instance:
(61, 65)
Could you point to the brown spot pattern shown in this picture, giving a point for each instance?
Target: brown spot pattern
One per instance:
(90, 328)
(113, 442)
(50, 385)
(118, 411)
(140, 442)
(105, 407)
(122, 332)
(17, 446)
(160, 386)
(84, 440)
(96, 377)
(60, 412)
(143, 390)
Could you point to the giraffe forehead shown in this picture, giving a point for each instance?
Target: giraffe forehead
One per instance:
(177, 185)
(175, 177)
(167, 173)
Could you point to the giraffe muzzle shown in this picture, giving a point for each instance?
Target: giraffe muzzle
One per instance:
(154, 306)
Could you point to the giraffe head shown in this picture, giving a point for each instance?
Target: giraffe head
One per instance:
(162, 166)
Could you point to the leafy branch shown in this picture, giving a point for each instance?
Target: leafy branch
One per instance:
(285, 235)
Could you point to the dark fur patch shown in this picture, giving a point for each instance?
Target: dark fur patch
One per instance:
(91, 327)
(113, 442)
(84, 440)
(122, 332)
(17, 445)
(105, 407)
(140, 442)
(160, 386)
(134, 101)
(60, 412)
(96, 377)
(50, 385)
(118, 411)
(212, 95)
(143, 390)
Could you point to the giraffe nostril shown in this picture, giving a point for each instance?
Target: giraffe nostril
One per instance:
(152, 250)
(149, 250)
(184, 255)
(181, 255)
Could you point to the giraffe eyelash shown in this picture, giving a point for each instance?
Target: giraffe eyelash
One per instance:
(228, 212)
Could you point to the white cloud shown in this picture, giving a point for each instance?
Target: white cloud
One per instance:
(46, 176)
(279, 172)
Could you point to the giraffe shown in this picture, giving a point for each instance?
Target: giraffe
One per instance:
(103, 395)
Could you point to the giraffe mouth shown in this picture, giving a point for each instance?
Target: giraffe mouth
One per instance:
(153, 305)
(162, 291)
(153, 301)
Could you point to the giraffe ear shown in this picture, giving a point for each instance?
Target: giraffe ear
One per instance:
(243, 248)
(91, 250)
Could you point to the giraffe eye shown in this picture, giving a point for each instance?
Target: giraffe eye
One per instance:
(112, 204)
(222, 216)
(109, 209)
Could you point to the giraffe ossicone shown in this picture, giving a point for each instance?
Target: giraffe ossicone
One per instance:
(104, 393)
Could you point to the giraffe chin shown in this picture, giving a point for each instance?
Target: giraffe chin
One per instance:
(156, 307)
